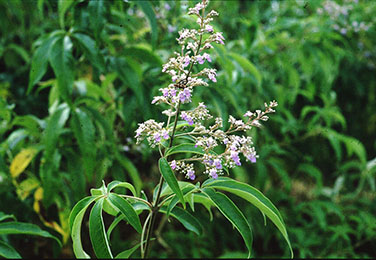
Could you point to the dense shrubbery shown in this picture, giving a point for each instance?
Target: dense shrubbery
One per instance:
(78, 77)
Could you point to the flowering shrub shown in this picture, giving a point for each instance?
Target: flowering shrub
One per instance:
(216, 149)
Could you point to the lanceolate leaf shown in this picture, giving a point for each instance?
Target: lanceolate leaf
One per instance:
(82, 204)
(40, 60)
(90, 50)
(188, 221)
(255, 197)
(149, 12)
(127, 210)
(112, 185)
(84, 132)
(185, 148)
(75, 221)
(61, 60)
(233, 214)
(54, 128)
(7, 251)
(97, 231)
(24, 229)
(170, 178)
(174, 201)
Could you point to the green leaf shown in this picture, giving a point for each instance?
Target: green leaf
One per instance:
(7, 251)
(114, 223)
(247, 66)
(82, 204)
(84, 131)
(255, 197)
(205, 201)
(170, 178)
(61, 60)
(25, 229)
(112, 185)
(4, 216)
(233, 214)
(97, 231)
(184, 217)
(75, 222)
(131, 170)
(39, 61)
(63, 6)
(127, 210)
(91, 51)
(144, 53)
(149, 12)
(127, 253)
(174, 201)
(96, 16)
(184, 148)
(54, 128)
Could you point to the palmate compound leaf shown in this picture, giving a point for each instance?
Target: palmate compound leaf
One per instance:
(97, 231)
(255, 197)
(170, 178)
(233, 214)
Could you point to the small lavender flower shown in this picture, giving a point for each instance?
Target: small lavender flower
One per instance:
(173, 165)
(186, 61)
(207, 57)
(200, 59)
(235, 157)
(165, 135)
(213, 173)
(167, 6)
(157, 137)
(209, 28)
(191, 174)
(217, 164)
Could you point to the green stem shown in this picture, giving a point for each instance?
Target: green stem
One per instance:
(155, 208)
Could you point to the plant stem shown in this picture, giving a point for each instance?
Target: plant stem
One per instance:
(155, 208)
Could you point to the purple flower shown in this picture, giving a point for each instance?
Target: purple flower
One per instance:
(173, 165)
(171, 28)
(207, 57)
(186, 61)
(167, 7)
(165, 92)
(173, 92)
(252, 158)
(185, 95)
(187, 118)
(191, 174)
(212, 77)
(213, 173)
(209, 28)
(235, 158)
(157, 137)
(165, 134)
(200, 59)
(218, 164)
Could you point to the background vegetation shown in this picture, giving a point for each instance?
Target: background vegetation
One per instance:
(78, 76)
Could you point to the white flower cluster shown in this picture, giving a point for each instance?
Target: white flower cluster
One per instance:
(184, 80)
(153, 131)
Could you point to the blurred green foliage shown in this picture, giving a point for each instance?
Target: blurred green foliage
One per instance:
(78, 76)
